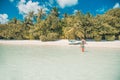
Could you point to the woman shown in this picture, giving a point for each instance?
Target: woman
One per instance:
(83, 42)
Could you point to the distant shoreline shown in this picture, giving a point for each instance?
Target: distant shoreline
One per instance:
(64, 42)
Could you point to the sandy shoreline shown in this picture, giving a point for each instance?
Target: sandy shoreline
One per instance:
(108, 44)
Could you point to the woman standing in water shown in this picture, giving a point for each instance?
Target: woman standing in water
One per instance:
(83, 42)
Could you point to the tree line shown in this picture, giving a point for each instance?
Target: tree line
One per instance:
(50, 27)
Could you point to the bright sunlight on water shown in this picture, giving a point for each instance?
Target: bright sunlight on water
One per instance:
(25, 62)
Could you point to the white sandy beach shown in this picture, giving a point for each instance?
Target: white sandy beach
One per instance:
(109, 44)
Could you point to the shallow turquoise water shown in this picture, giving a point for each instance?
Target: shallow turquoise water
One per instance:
(25, 62)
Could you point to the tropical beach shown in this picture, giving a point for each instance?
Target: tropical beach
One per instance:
(59, 40)
(103, 44)
(36, 60)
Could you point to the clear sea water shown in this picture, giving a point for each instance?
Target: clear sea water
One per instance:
(25, 62)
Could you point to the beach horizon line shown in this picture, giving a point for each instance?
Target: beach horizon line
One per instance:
(63, 42)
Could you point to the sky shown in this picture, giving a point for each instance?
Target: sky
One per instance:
(20, 8)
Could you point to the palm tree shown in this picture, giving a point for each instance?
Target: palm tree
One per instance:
(87, 24)
(54, 12)
(40, 15)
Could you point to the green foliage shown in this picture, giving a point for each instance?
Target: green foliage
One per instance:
(52, 36)
(98, 38)
(50, 27)
(49, 37)
(43, 38)
(110, 37)
(119, 37)
(31, 37)
(114, 12)
(69, 33)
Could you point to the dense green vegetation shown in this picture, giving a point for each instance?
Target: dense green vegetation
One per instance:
(47, 27)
